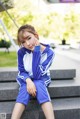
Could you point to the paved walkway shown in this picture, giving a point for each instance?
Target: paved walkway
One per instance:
(71, 53)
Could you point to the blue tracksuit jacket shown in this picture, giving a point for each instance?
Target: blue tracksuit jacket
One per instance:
(35, 65)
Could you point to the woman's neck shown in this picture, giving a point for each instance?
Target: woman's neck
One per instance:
(42, 47)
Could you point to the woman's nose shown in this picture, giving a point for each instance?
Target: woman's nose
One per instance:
(28, 43)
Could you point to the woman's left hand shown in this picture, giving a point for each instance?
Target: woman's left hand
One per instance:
(37, 42)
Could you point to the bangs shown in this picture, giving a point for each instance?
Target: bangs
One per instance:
(22, 34)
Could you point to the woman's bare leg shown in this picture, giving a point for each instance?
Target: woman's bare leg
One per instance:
(17, 111)
(48, 110)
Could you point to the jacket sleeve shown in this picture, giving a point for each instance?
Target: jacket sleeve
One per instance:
(23, 74)
(40, 69)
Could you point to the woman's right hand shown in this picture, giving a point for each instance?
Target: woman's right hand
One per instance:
(31, 88)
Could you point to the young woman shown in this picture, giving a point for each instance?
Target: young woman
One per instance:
(34, 60)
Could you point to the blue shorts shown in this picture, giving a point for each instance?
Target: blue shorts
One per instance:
(42, 94)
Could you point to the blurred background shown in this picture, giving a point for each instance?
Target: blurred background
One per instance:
(57, 21)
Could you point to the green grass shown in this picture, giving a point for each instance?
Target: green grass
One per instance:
(8, 59)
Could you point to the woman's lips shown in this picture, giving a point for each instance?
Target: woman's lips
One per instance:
(31, 47)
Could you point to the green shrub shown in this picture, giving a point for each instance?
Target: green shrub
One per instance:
(4, 43)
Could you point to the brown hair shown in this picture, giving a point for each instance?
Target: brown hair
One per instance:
(27, 28)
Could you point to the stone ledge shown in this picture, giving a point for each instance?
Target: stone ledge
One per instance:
(55, 74)
(63, 109)
(57, 89)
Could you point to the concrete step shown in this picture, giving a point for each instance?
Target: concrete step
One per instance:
(8, 91)
(55, 74)
(67, 108)
(63, 88)
(63, 74)
(8, 76)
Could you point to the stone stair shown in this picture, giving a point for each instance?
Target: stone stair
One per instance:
(64, 91)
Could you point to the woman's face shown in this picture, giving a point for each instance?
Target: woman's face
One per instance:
(28, 40)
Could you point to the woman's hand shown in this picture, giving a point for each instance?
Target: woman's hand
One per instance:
(31, 87)
(37, 42)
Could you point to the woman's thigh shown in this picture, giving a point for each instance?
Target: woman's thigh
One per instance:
(42, 92)
(23, 96)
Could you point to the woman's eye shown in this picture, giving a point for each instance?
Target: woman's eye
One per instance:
(29, 38)
(23, 42)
